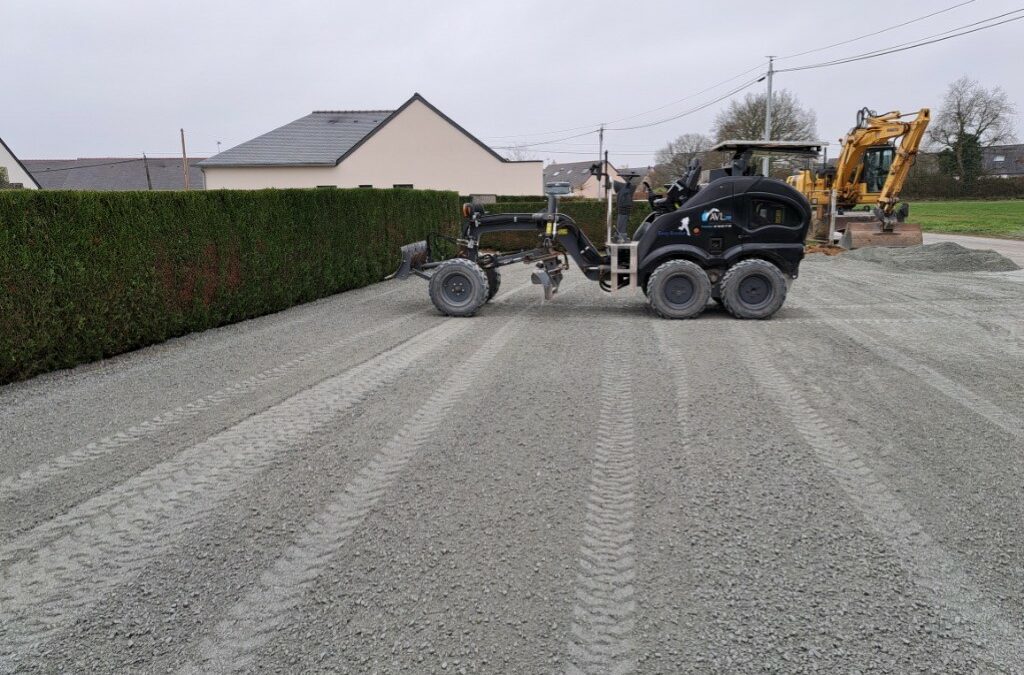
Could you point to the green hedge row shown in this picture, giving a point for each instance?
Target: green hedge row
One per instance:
(938, 186)
(589, 214)
(85, 275)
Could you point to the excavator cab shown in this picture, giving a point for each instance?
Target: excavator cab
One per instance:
(877, 163)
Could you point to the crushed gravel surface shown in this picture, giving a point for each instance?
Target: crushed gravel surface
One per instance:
(360, 485)
(946, 256)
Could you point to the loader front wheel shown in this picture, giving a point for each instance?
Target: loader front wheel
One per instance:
(458, 287)
(678, 289)
(753, 289)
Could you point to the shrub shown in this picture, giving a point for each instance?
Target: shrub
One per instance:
(939, 186)
(85, 275)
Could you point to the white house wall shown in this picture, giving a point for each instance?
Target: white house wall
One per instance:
(15, 173)
(417, 148)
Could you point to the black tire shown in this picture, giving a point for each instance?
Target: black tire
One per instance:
(753, 289)
(493, 283)
(458, 287)
(678, 289)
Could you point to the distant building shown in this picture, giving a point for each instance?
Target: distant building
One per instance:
(17, 175)
(115, 173)
(415, 146)
(577, 174)
(1003, 161)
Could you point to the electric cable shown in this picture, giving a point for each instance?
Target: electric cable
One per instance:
(913, 44)
(877, 32)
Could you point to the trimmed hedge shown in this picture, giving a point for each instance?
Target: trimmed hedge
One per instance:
(589, 214)
(941, 187)
(85, 275)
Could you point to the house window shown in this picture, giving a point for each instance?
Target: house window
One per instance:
(404, 186)
(366, 186)
(999, 158)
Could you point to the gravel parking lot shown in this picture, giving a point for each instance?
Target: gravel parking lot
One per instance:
(361, 485)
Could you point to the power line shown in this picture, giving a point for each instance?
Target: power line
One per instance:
(877, 32)
(639, 114)
(113, 163)
(913, 44)
(530, 145)
(698, 108)
(611, 153)
(85, 166)
(686, 98)
(938, 37)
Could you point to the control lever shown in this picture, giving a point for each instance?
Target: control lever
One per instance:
(624, 202)
(650, 194)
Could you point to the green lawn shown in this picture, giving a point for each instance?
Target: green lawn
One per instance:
(989, 218)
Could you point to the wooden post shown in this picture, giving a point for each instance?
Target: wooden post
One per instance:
(184, 159)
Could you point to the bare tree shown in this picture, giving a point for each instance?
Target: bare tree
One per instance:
(744, 120)
(671, 161)
(971, 118)
(519, 153)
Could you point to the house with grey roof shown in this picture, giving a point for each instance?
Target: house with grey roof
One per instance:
(578, 176)
(413, 146)
(17, 176)
(115, 173)
(1003, 161)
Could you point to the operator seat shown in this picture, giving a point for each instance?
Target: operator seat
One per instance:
(677, 194)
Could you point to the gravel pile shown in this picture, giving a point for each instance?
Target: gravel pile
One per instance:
(943, 257)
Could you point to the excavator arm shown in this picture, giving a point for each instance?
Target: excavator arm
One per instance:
(871, 131)
(905, 157)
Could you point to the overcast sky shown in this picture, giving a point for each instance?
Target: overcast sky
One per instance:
(117, 78)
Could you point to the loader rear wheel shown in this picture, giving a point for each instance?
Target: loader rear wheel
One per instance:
(493, 283)
(753, 289)
(458, 287)
(678, 289)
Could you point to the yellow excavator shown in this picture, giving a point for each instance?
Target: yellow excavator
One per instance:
(871, 171)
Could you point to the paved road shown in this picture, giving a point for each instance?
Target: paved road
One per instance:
(360, 485)
(1011, 248)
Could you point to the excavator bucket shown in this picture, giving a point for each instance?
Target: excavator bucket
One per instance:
(861, 234)
(414, 256)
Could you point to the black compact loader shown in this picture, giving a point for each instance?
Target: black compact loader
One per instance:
(738, 240)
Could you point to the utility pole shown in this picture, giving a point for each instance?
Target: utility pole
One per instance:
(145, 162)
(184, 159)
(601, 157)
(768, 114)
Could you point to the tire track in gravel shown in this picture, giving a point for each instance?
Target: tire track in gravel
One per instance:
(604, 616)
(953, 390)
(42, 474)
(253, 621)
(62, 567)
(942, 574)
(923, 293)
